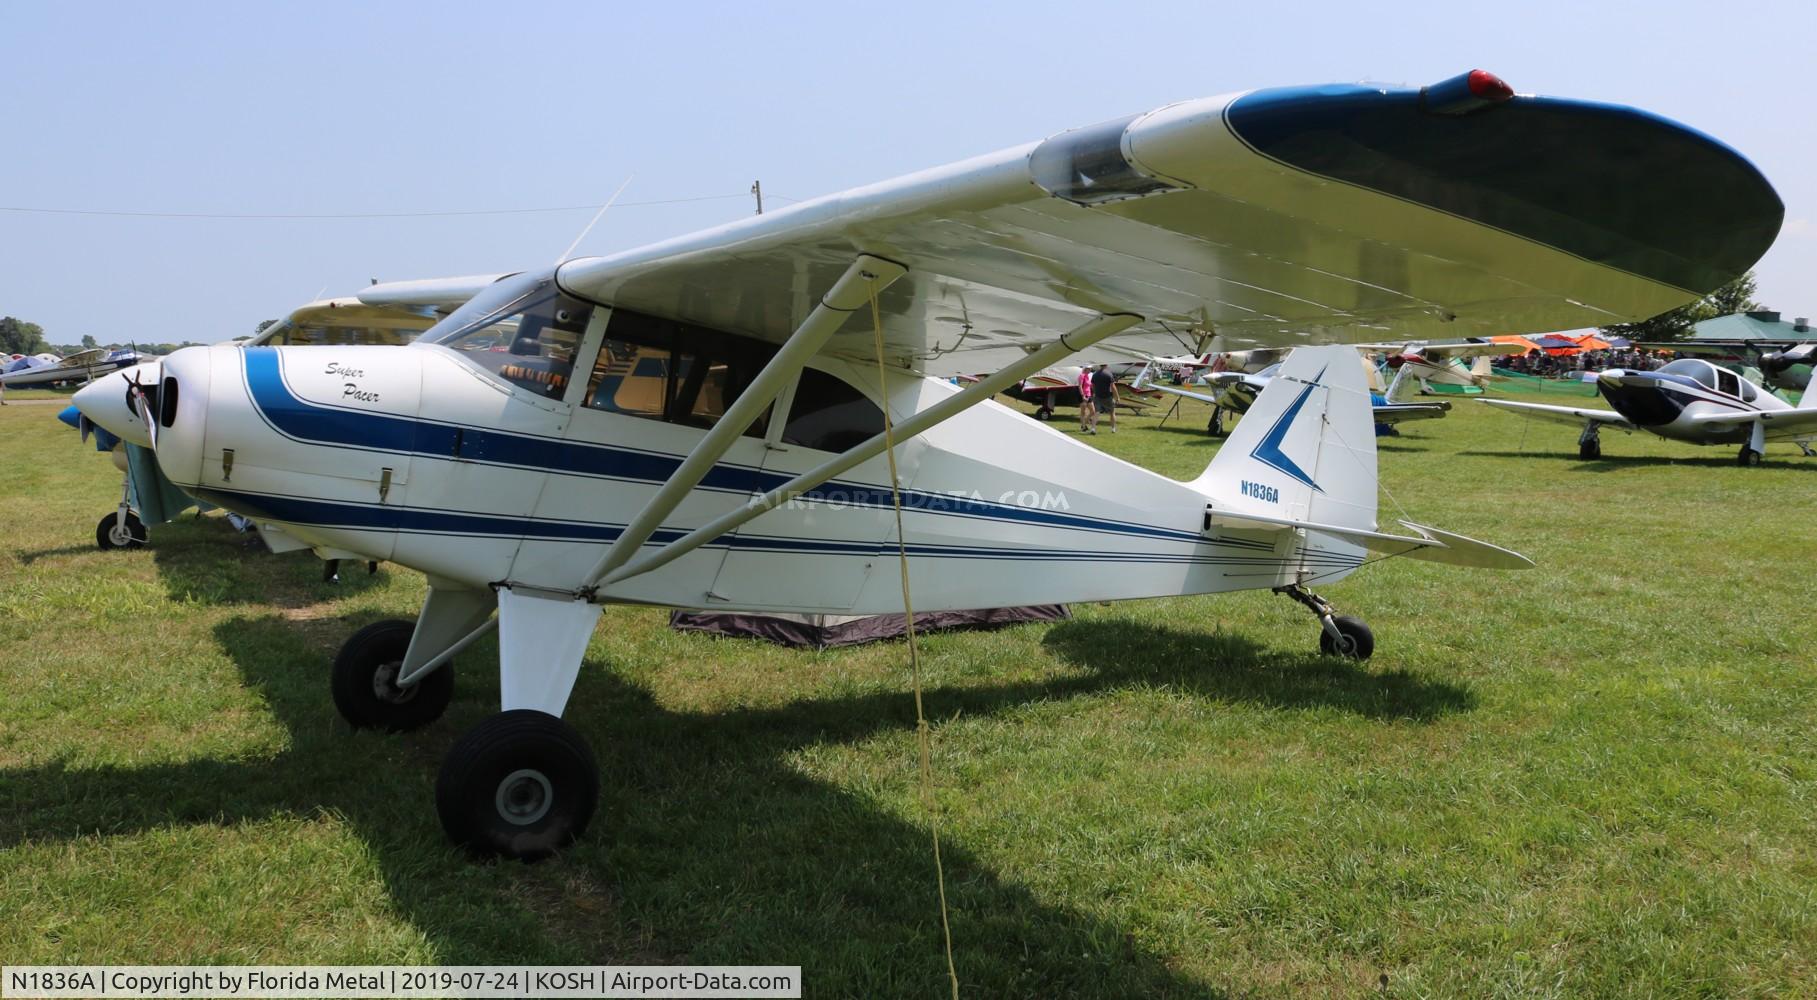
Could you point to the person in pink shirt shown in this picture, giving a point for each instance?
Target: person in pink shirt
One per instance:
(1088, 414)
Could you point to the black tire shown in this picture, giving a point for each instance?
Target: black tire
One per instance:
(1044, 415)
(1748, 457)
(1590, 451)
(1360, 640)
(522, 784)
(364, 681)
(109, 535)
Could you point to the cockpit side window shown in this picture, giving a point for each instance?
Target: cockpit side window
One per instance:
(675, 372)
(830, 415)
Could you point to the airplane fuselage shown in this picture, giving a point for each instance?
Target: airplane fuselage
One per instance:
(415, 455)
(1670, 404)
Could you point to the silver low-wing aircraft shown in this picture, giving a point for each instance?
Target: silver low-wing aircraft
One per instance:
(1784, 364)
(1688, 400)
(756, 416)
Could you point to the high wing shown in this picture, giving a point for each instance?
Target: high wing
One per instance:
(1563, 414)
(1273, 217)
(1394, 413)
(1779, 425)
(444, 295)
(349, 320)
(1446, 352)
(82, 359)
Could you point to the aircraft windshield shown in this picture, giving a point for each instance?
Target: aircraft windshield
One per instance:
(1702, 371)
(522, 330)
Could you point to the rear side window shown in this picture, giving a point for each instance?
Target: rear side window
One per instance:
(830, 415)
(1727, 382)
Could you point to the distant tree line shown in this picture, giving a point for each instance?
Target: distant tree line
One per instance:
(19, 337)
(1675, 324)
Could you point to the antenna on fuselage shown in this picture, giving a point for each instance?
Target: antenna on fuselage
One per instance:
(563, 259)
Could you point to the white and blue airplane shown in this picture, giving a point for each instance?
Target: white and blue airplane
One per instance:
(756, 416)
(1689, 400)
(82, 366)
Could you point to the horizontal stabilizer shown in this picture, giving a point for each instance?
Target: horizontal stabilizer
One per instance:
(1431, 544)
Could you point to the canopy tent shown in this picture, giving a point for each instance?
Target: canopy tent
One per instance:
(1556, 346)
(1514, 339)
(1588, 341)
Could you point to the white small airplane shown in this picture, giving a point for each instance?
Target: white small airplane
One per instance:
(1688, 400)
(1235, 392)
(82, 366)
(1418, 366)
(756, 417)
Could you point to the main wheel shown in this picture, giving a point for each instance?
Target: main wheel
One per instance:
(522, 784)
(365, 685)
(1044, 414)
(1590, 451)
(1748, 456)
(1354, 641)
(111, 534)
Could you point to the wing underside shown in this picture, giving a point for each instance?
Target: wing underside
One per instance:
(1563, 414)
(1313, 215)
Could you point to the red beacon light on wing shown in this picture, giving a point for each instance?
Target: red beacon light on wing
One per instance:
(1466, 93)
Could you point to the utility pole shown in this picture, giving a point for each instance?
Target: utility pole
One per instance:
(757, 192)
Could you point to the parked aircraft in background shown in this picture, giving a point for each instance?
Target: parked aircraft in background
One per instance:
(48, 369)
(1059, 386)
(1419, 366)
(1783, 364)
(1235, 392)
(1688, 400)
(755, 416)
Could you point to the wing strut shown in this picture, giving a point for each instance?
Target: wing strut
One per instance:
(1085, 336)
(863, 277)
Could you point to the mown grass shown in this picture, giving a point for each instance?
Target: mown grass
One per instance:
(1592, 778)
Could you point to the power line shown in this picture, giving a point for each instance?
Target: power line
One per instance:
(358, 215)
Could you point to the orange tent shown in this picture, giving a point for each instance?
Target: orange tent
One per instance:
(1590, 342)
(1512, 339)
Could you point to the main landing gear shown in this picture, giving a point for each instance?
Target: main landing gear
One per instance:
(522, 784)
(1748, 457)
(1215, 427)
(1339, 635)
(1589, 443)
(1046, 412)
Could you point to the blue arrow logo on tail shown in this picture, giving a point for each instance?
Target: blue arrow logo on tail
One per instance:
(1269, 453)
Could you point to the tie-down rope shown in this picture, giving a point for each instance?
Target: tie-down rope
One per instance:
(908, 611)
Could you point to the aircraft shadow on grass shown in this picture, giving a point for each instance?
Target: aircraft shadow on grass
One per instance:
(1718, 458)
(1232, 668)
(730, 854)
(201, 559)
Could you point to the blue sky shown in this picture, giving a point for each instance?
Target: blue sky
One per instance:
(376, 108)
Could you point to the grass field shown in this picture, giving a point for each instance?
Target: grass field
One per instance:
(1598, 777)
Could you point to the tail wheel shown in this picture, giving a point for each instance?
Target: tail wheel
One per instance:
(1354, 641)
(364, 681)
(522, 784)
(111, 533)
(1590, 451)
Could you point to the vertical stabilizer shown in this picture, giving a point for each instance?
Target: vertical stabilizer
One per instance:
(1306, 448)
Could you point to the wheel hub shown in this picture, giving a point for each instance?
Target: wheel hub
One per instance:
(524, 797)
(385, 687)
(120, 535)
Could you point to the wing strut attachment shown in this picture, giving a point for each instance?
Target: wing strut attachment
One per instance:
(862, 278)
(1085, 336)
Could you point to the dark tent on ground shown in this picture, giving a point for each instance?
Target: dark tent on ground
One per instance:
(826, 631)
